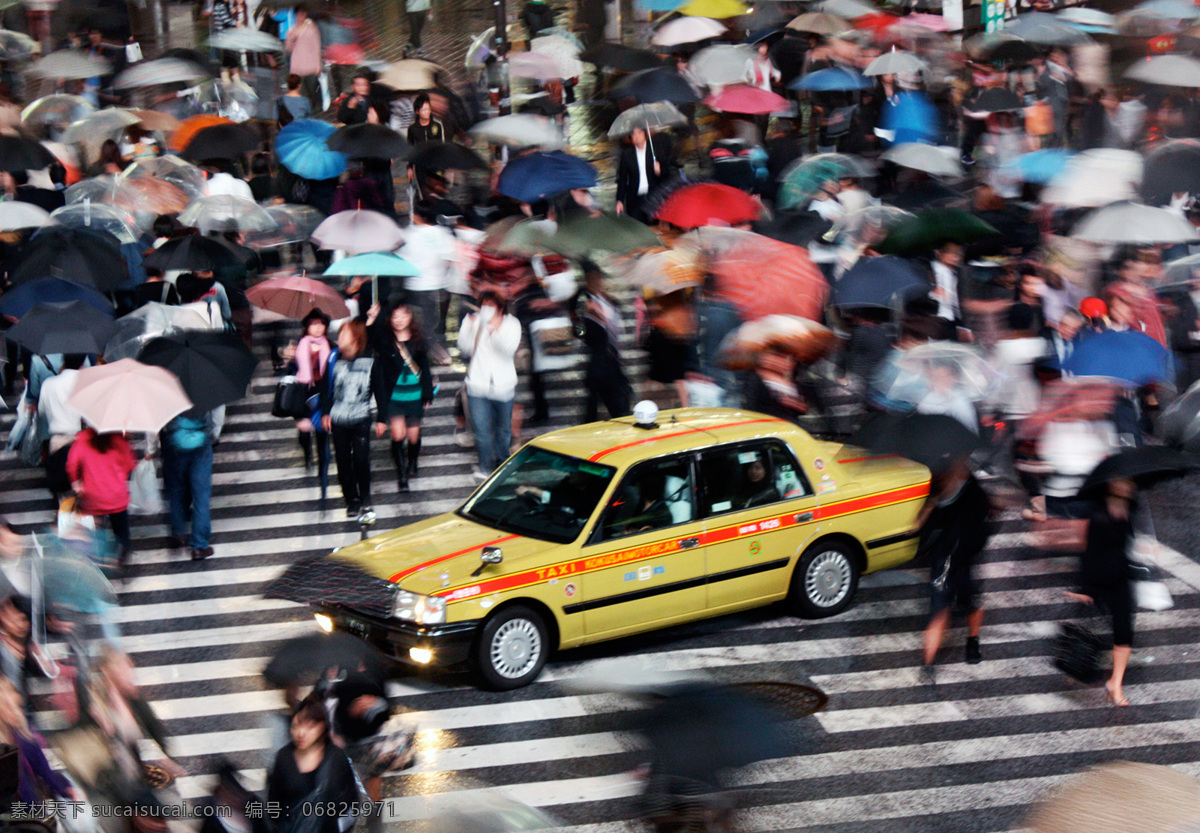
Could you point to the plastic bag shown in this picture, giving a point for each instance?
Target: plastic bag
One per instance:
(1152, 595)
(23, 424)
(144, 495)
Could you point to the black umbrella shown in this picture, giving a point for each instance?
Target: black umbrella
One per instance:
(221, 141)
(20, 154)
(1146, 464)
(85, 256)
(662, 84)
(878, 282)
(936, 441)
(304, 660)
(333, 581)
(995, 100)
(63, 327)
(443, 156)
(1169, 169)
(191, 253)
(368, 141)
(698, 730)
(798, 228)
(213, 367)
(613, 56)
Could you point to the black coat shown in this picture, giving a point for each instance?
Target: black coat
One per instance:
(386, 370)
(627, 173)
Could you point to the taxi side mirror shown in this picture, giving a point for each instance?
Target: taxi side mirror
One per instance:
(489, 555)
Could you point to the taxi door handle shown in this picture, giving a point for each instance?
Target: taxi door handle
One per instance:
(804, 517)
(688, 543)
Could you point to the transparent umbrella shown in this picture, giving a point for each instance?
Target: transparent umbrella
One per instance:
(224, 212)
(15, 46)
(942, 370)
(293, 224)
(1094, 178)
(56, 111)
(721, 64)
(18, 215)
(868, 226)
(95, 128)
(99, 217)
(160, 71)
(69, 65)
(562, 51)
(170, 168)
(146, 323)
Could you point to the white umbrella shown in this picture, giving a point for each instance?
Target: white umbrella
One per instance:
(1131, 222)
(69, 64)
(652, 116)
(99, 217)
(17, 215)
(56, 110)
(411, 74)
(687, 30)
(1094, 18)
(533, 65)
(241, 39)
(1170, 70)
(932, 160)
(846, 8)
(894, 62)
(564, 53)
(225, 212)
(721, 65)
(520, 130)
(1094, 178)
(160, 71)
(359, 231)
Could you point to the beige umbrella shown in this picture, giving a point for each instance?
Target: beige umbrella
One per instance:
(1121, 797)
(665, 272)
(804, 340)
(154, 120)
(411, 74)
(128, 396)
(819, 23)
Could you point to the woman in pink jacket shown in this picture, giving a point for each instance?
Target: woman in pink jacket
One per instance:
(99, 466)
(312, 357)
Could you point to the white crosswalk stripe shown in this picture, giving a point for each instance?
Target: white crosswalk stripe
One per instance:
(888, 754)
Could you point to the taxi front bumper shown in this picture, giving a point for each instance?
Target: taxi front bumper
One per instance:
(448, 644)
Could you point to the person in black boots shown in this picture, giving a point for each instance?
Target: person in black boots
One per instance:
(311, 354)
(402, 382)
(597, 319)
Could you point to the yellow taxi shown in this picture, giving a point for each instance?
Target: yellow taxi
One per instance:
(613, 528)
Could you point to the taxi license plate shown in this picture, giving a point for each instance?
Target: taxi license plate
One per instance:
(356, 627)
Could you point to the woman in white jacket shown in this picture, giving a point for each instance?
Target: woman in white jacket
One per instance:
(489, 339)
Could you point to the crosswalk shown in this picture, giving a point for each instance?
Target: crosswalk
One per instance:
(888, 753)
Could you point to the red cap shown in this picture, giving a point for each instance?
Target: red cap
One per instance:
(1093, 308)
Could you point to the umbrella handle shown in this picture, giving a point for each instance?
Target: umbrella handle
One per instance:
(37, 620)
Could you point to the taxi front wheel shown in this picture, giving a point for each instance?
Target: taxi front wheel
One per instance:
(824, 581)
(512, 649)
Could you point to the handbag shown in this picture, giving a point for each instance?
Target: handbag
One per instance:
(1077, 651)
(291, 399)
(86, 753)
(144, 496)
(552, 343)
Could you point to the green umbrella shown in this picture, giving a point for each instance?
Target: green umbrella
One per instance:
(933, 227)
(581, 234)
(803, 179)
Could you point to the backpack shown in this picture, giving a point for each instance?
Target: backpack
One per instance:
(188, 433)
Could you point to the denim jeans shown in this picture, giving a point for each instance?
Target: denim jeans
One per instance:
(352, 448)
(492, 421)
(187, 481)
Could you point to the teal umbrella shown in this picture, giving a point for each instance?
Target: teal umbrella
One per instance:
(933, 227)
(373, 264)
(803, 179)
(72, 581)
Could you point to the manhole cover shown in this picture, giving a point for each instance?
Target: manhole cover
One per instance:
(791, 699)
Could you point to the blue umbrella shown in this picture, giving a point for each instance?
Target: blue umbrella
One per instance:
(374, 264)
(1040, 166)
(23, 298)
(878, 282)
(911, 117)
(1126, 355)
(659, 5)
(544, 174)
(834, 78)
(1167, 10)
(302, 150)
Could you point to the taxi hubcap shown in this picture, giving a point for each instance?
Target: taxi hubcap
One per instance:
(828, 578)
(516, 648)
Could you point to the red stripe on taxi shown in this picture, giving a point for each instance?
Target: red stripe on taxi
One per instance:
(656, 437)
(592, 563)
(406, 573)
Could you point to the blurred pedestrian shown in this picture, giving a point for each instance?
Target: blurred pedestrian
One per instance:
(311, 771)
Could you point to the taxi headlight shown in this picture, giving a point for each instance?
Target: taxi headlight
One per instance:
(413, 607)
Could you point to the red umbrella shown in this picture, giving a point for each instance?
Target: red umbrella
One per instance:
(295, 296)
(743, 98)
(877, 23)
(707, 204)
(762, 277)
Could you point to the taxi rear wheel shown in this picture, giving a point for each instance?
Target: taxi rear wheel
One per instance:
(512, 649)
(825, 580)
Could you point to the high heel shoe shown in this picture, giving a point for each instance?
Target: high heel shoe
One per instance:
(1112, 698)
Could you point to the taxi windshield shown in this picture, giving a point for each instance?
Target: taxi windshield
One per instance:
(541, 494)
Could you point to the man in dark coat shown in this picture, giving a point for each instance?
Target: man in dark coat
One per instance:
(644, 164)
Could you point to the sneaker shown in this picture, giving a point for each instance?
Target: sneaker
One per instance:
(479, 474)
(974, 655)
(202, 553)
(367, 517)
(463, 439)
(353, 510)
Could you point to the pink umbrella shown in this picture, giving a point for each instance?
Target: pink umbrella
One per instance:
(742, 98)
(930, 21)
(295, 296)
(533, 65)
(128, 396)
(358, 232)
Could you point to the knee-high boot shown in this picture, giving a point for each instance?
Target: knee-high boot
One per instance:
(401, 464)
(305, 438)
(414, 451)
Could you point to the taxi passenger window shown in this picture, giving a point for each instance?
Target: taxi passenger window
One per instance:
(746, 475)
(654, 495)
